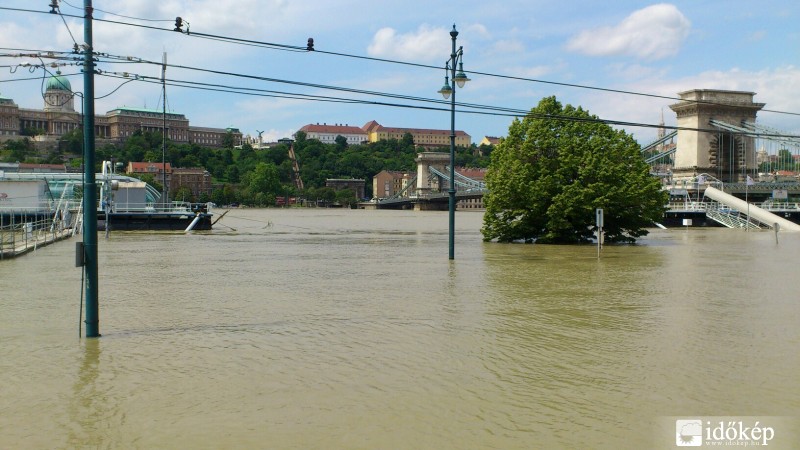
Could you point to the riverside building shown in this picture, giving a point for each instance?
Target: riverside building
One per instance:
(58, 117)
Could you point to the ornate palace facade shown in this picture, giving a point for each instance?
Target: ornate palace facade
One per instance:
(59, 117)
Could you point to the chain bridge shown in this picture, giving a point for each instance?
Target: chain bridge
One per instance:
(718, 144)
(428, 188)
(722, 167)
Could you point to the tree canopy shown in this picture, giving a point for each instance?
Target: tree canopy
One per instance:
(557, 166)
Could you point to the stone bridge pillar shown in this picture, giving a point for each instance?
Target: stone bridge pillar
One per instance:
(425, 182)
(721, 154)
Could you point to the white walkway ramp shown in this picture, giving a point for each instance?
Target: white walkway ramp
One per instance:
(757, 213)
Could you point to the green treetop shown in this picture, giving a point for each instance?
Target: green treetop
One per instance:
(555, 167)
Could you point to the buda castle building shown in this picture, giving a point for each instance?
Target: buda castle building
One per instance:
(58, 117)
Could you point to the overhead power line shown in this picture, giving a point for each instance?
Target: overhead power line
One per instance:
(470, 107)
(296, 48)
(475, 109)
(115, 14)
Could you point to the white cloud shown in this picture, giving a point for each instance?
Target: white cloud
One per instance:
(424, 44)
(775, 87)
(757, 36)
(772, 86)
(634, 72)
(536, 71)
(507, 46)
(479, 30)
(651, 33)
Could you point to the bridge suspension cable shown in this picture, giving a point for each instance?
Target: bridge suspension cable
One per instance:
(402, 192)
(652, 146)
(659, 156)
(461, 180)
(757, 131)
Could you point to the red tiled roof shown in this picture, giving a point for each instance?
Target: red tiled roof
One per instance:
(332, 129)
(189, 170)
(419, 131)
(475, 174)
(58, 167)
(144, 167)
(369, 126)
(374, 126)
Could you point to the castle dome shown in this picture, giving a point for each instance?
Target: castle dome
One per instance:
(58, 82)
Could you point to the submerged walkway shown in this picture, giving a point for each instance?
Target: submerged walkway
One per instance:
(13, 244)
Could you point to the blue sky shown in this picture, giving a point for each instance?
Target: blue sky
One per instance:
(651, 48)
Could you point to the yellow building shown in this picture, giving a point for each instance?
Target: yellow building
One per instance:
(490, 140)
(423, 137)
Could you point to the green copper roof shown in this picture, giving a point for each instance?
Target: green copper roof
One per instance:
(58, 83)
(158, 112)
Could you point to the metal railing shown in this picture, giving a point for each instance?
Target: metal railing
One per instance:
(20, 236)
(719, 213)
(731, 218)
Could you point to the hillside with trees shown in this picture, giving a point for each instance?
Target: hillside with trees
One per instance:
(249, 176)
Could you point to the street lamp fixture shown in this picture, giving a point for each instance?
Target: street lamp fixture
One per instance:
(448, 91)
(461, 77)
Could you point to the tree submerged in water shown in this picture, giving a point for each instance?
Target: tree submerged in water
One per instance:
(557, 166)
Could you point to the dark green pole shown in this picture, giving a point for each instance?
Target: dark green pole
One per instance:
(452, 190)
(89, 187)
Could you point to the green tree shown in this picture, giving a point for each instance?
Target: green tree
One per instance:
(72, 142)
(246, 151)
(55, 156)
(341, 142)
(183, 194)
(227, 140)
(152, 156)
(232, 174)
(264, 179)
(407, 141)
(136, 146)
(20, 149)
(227, 156)
(218, 197)
(346, 197)
(555, 167)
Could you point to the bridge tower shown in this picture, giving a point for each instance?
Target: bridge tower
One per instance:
(427, 183)
(722, 154)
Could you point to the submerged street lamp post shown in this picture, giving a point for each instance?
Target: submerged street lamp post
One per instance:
(460, 78)
(89, 184)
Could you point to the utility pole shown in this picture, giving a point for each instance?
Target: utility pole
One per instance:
(165, 190)
(89, 185)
